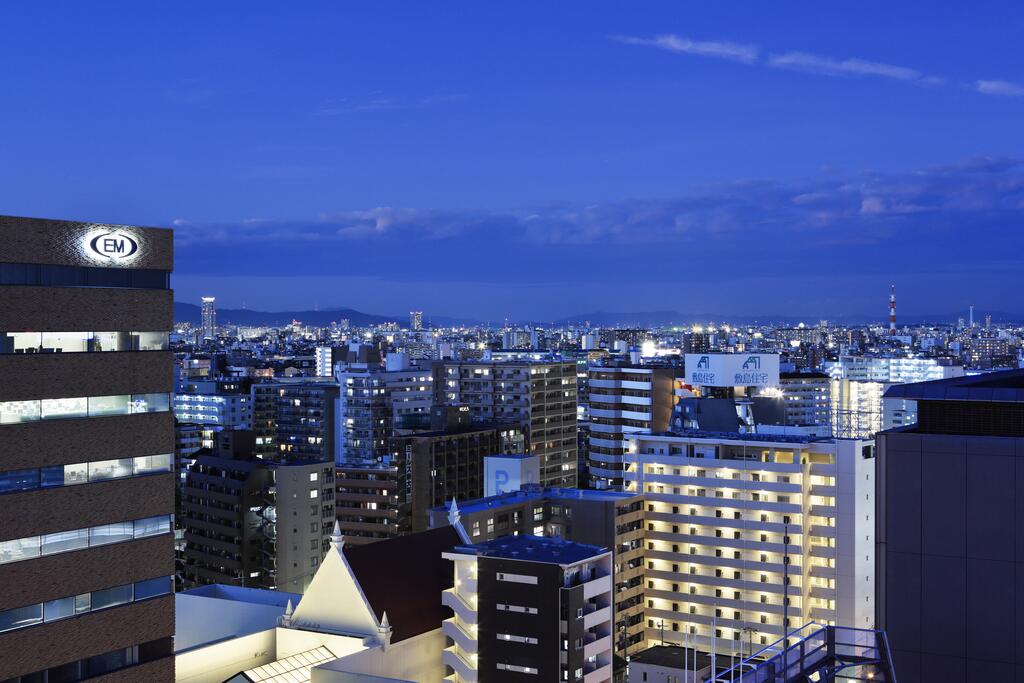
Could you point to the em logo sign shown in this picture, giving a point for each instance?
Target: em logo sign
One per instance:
(111, 245)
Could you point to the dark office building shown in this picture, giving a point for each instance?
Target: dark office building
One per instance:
(445, 463)
(951, 531)
(542, 609)
(87, 438)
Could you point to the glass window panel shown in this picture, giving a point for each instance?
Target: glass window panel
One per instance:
(110, 661)
(19, 480)
(50, 477)
(63, 541)
(20, 342)
(149, 464)
(149, 341)
(151, 526)
(83, 603)
(150, 403)
(12, 412)
(21, 617)
(152, 588)
(117, 595)
(111, 533)
(110, 469)
(65, 342)
(19, 549)
(58, 408)
(58, 609)
(109, 405)
(76, 474)
(110, 341)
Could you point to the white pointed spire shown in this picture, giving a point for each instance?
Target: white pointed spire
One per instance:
(384, 625)
(453, 512)
(337, 538)
(286, 618)
(455, 520)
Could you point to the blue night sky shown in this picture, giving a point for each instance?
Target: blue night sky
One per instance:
(536, 159)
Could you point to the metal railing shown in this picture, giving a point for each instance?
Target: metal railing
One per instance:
(813, 648)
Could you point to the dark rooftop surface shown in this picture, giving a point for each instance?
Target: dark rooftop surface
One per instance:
(536, 493)
(1005, 386)
(405, 577)
(534, 549)
(735, 436)
(671, 656)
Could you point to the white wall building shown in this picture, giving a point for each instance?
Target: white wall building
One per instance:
(717, 508)
(860, 382)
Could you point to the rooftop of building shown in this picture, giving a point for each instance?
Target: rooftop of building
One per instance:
(534, 549)
(737, 436)
(803, 375)
(404, 577)
(672, 657)
(535, 493)
(255, 596)
(1004, 387)
(459, 430)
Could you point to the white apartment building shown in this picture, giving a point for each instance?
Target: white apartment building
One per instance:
(860, 382)
(717, 511)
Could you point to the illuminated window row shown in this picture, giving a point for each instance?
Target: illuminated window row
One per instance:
(81, 342)
(12, 412)
(14, 481)
(75, 605)
(77, 539)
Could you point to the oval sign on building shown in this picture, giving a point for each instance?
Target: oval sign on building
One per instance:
(113, 245)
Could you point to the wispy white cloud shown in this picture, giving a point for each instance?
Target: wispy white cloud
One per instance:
(721, 49)
(806, 62)
(827, 66)
(1004, 88)
(380, 102)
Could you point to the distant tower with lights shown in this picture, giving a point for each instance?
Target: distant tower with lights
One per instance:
(209, 317)
(415, 320)
(892, 310)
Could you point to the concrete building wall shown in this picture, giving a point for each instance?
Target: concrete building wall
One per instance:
(951, 555)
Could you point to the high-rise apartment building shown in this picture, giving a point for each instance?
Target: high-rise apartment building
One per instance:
(423, 469)
(624, 399)
(719, 509)
(415, 320)
(209, 317)
(529, 608)
(607, 519)
(951, 531)
(249, 522)
(87, 435)
(538, 394)
(294, 419)
(376, 399)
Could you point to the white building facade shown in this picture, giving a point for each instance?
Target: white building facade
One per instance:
(718, 509)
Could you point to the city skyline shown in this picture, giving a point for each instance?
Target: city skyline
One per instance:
(686, 154)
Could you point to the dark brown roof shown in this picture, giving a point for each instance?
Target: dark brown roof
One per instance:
(405, 577)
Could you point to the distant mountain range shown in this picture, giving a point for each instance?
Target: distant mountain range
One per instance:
(675, 318)
(191, 313)
(185, 312)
